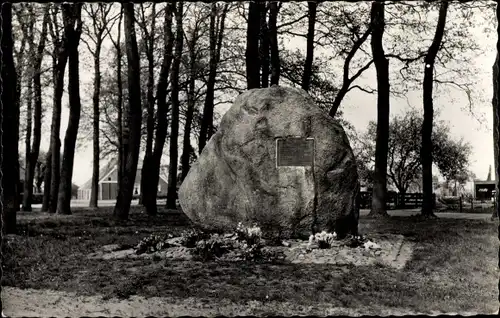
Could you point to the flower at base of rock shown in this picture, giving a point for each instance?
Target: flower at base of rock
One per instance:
(249, 233)
(371, 246)
(254, 231)
(322, 239)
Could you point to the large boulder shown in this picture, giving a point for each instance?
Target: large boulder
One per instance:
(237, 178)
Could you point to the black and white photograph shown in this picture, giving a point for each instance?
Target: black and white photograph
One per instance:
(250, 158)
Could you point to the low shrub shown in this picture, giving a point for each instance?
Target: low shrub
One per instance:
(245, 243)
(153, 243)
(213, 247)
(190, 237)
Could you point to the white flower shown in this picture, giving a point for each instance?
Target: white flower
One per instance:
(370, 245)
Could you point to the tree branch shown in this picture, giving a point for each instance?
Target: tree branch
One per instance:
(369, 91)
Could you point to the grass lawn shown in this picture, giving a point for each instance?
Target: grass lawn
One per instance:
(453, 268)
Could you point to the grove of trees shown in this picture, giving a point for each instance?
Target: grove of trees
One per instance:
(404, 163)
(160, 70)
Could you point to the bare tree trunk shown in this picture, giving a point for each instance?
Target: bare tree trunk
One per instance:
(216, 36)
(264, 44)
(62, 58)
(161, 94)
(10, 126)
(47, 182)
(174, 130)
(220, 36)
(98, 15)
(26, 206)
(273, 42)
(306, 76)
(22, 50)
(32, 158)
(186, 143)
(252, 50)
(496, 119)
(94, 195)
(145, 177)
(119, 103)
(379, 196)
(209, 97)
(72, 14)
(426, 150)
(133, 118)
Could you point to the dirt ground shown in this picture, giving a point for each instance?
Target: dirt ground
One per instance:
(19, 302)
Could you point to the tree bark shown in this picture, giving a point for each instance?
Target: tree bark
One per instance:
(426, 150)
(20, 55)
(47, 181)
(496, 124)
(208, 107)
(306, 76)
(496, 129)
(206, 129)
(186, 144)
(220, 36)
(119, 106)
(379, 196)
(273, 42)
(145, 175)
(252, 50)
(10, 126)
(99, 16)
(32, 158)
(133, 118)
(264, 44)
(161, 94)
(174, 130)
(29, 35)
(72, 15)
(62, 59)
(26, 204)
(94, 196)
(496, 119)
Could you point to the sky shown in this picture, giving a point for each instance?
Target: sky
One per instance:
(359, 108)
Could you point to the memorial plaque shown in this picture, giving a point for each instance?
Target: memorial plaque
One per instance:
(295, 152)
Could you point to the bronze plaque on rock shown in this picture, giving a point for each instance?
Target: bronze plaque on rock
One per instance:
(294, 152)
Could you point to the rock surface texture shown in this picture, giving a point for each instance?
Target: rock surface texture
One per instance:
(236, 178)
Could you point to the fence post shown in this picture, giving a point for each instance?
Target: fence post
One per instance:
(460, 201)
(472, 205)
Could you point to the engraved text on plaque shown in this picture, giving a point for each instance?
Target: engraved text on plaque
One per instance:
(294, 152)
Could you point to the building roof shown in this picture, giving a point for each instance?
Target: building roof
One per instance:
(484, 182)
(104, 171)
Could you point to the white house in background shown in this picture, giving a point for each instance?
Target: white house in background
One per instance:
(108, 183)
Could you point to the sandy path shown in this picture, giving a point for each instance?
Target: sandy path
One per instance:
(42, 303)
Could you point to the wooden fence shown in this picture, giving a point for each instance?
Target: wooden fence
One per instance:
(396, 200)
